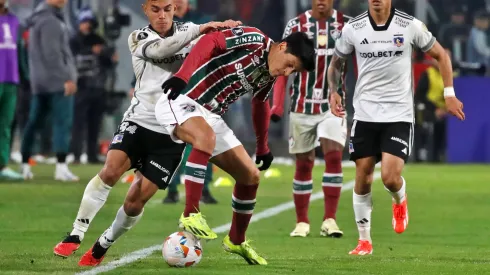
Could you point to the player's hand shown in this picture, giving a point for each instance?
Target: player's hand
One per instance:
(276, 113)
(70, 88)
(455, 107)
(265, 159)
(175, 85)
(212, 26)
(336, 105)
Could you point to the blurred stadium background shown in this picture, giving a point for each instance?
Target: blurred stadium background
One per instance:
(450, 21)
(446, 238)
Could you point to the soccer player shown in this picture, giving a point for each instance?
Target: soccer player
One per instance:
(158, 51)
(383, 39)
(311, 119)
(221, 67)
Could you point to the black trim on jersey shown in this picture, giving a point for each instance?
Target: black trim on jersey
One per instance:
(386, 25)
(170, 33)
(360, 17)
(403, 15)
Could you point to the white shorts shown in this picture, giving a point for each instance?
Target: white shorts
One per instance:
(305, 131)
(175, 112)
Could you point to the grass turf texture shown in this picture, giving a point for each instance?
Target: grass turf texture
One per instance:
(447, 233)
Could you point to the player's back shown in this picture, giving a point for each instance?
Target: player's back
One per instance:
(384, 90)
(239, 68)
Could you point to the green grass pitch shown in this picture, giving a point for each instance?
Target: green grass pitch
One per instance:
(448, 231)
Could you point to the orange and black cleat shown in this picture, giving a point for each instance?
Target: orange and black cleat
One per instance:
(67, 247)
(94, 256)
(400, 216)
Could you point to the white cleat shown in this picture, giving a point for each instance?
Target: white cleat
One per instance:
(26, 172)
(331, 229)
(302, 230)
(62, 173)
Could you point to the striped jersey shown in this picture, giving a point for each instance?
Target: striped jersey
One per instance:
(384, 91)
(155, 59)
(309, 92)
(237, 65)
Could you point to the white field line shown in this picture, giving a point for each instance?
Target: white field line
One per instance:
(267, 213)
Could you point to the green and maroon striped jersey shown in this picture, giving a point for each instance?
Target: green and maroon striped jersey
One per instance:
(226, 65)
(309, 92)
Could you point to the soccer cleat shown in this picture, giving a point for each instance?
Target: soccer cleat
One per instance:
(197, 225)
(26, 172)
(244, 250)
(64, 174)
(207, 198)
(330, 229)
(302, 229)
(8, 174)
(364, 247)
(171, 198)
(94, 256)
(67, 247)
(400, 216)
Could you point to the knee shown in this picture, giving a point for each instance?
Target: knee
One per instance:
(305, 163)
(204, 141)
(390, 178)
(133, 207)
(365, 175)
(110, 174)
(333, 157)
(253, 177)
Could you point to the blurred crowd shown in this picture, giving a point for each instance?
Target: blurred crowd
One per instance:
(54, 95)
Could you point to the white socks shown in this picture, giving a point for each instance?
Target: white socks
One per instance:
(94, 197)
(363, 205)
(399, 196)
(121, 225)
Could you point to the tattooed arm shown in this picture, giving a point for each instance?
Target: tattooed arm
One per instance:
(333, 75)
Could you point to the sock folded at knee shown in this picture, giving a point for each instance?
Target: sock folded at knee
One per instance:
(332, 183)
(195, 174)
(243, 204)
(398, 196)
(302, 188)
(94, 197)
(122, 224)
(363, 206)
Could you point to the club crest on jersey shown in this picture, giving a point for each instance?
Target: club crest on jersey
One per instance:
(398, 40)
(142, 36)
(188, 108)
(237, 31)
(322, 40)
(117, 139)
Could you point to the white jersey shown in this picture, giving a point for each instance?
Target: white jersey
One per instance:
(384, 90)
(156, 59)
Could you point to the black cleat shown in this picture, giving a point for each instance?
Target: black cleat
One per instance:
(207, 198)
(171, 198)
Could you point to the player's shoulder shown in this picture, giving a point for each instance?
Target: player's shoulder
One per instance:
(142, 34)
(356, 23)
(407, 21)
(340, 16)
(182, 26)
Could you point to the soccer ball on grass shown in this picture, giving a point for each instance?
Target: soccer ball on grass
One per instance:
(182, 249)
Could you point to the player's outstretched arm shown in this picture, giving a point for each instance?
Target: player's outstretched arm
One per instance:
(334, 75)
(144, 45)
(278, 98)
(453, 105)
(260, 118)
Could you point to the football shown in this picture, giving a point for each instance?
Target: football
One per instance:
(182, 249)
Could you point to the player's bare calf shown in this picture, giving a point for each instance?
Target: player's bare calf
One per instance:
(391, 169)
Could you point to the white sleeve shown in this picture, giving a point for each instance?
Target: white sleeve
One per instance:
(344, 45)
(148, 45)
(422, 37)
